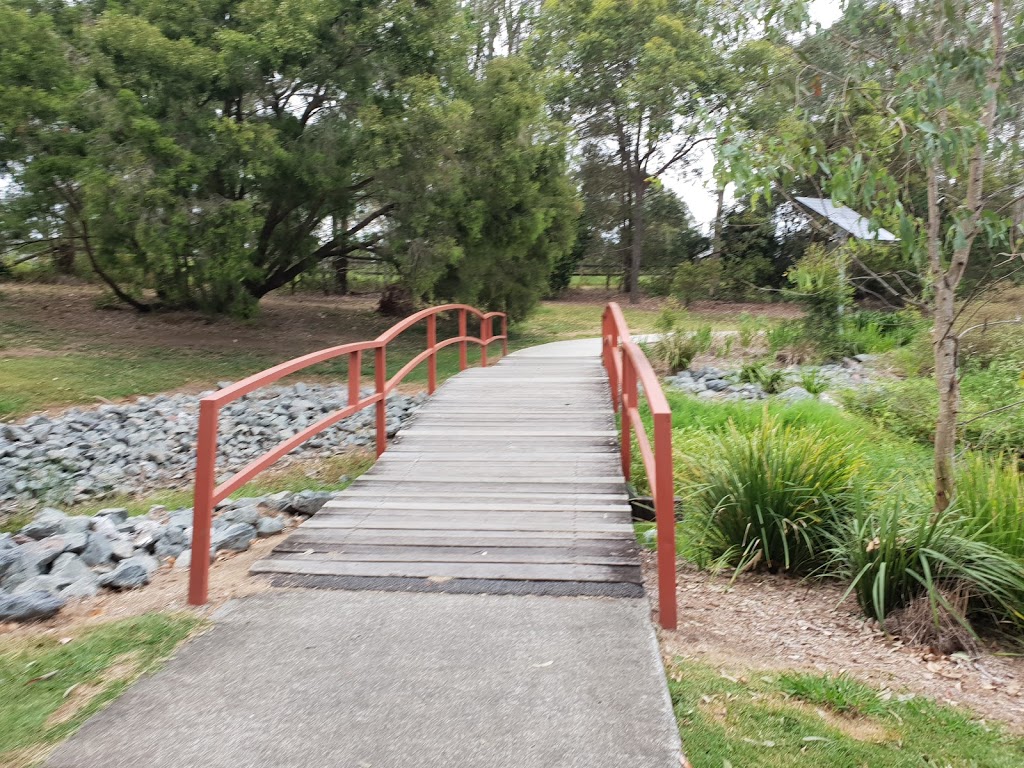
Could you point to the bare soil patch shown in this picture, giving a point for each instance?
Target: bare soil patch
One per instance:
(763, 622)
(288, 324)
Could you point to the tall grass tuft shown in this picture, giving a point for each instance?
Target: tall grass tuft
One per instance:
(766, 496)
(990, 499)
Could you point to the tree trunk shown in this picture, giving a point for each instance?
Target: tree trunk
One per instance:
(944, 341)
(341, 275)
(636, 246)
(716, 243)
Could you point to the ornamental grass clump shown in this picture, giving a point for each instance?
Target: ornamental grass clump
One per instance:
(897, 554)
(766, 497)
(990, 500)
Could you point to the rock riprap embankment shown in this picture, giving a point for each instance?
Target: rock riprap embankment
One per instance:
(720, 384)
(150, 443)
(59, 557)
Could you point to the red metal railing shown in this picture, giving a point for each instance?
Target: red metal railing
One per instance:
(208, 494)
(627, 366)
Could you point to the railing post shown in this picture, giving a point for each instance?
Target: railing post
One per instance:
(485, 337)
(665, 517)
(380, 379)
(629, 395)
(463, 331)
(202, 503)
(355, 375)
(432, 360)
(504, 334)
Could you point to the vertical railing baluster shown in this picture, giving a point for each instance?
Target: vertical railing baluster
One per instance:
(663, 488)
(485, 338)
(432, 360)
(355, 375)
(202, 502)
(629, 394)
(380, 379)
(463, 331)
(504, 334)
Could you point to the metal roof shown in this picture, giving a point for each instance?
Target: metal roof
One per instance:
(846, 219)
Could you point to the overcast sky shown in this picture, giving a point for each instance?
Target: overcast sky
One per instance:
(697, 186)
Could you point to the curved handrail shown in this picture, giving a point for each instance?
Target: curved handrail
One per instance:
(208, 494)
(628, 367)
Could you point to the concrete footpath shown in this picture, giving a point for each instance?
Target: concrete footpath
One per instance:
(318, 678)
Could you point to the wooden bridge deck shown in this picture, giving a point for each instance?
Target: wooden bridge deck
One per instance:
(508, 474)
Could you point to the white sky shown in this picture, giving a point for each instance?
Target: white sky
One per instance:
(697, 187)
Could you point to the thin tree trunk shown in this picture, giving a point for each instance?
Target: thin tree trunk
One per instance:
(636, 247)
(948, 384)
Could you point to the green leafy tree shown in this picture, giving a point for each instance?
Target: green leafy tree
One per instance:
(642, 77)
(940, 106)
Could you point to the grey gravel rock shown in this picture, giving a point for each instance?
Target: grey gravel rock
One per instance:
(165, 549)
(75, 542)
(308, 502)
(28, 607)
(87, 586)
(69, 568)
(115, 514)
(795, 394)
(131, 573)
(269, 526)
(77, 524)
(248, 515)
(47, 522)
(235, 538)
(121, 549)
(98, 551)
(82, 454)
(43, 583)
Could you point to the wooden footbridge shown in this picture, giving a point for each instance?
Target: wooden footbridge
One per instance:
(511, 479)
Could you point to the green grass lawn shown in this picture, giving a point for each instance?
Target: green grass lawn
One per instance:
(797, 720)
(48, 687)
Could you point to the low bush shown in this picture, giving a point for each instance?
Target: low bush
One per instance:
(813, 381)
(765, 496)
(771, 380)
(893, 549)
(675, 348)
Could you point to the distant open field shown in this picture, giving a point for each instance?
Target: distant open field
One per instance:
(58, 349)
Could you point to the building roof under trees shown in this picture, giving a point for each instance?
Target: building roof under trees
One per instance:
(846, 219)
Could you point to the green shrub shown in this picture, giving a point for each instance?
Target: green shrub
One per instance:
(905, 408)
(893, 550)
(786, 334)
(765, 496)
(991, 409)
(675, 349)
(749, 329)
(813, 381)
